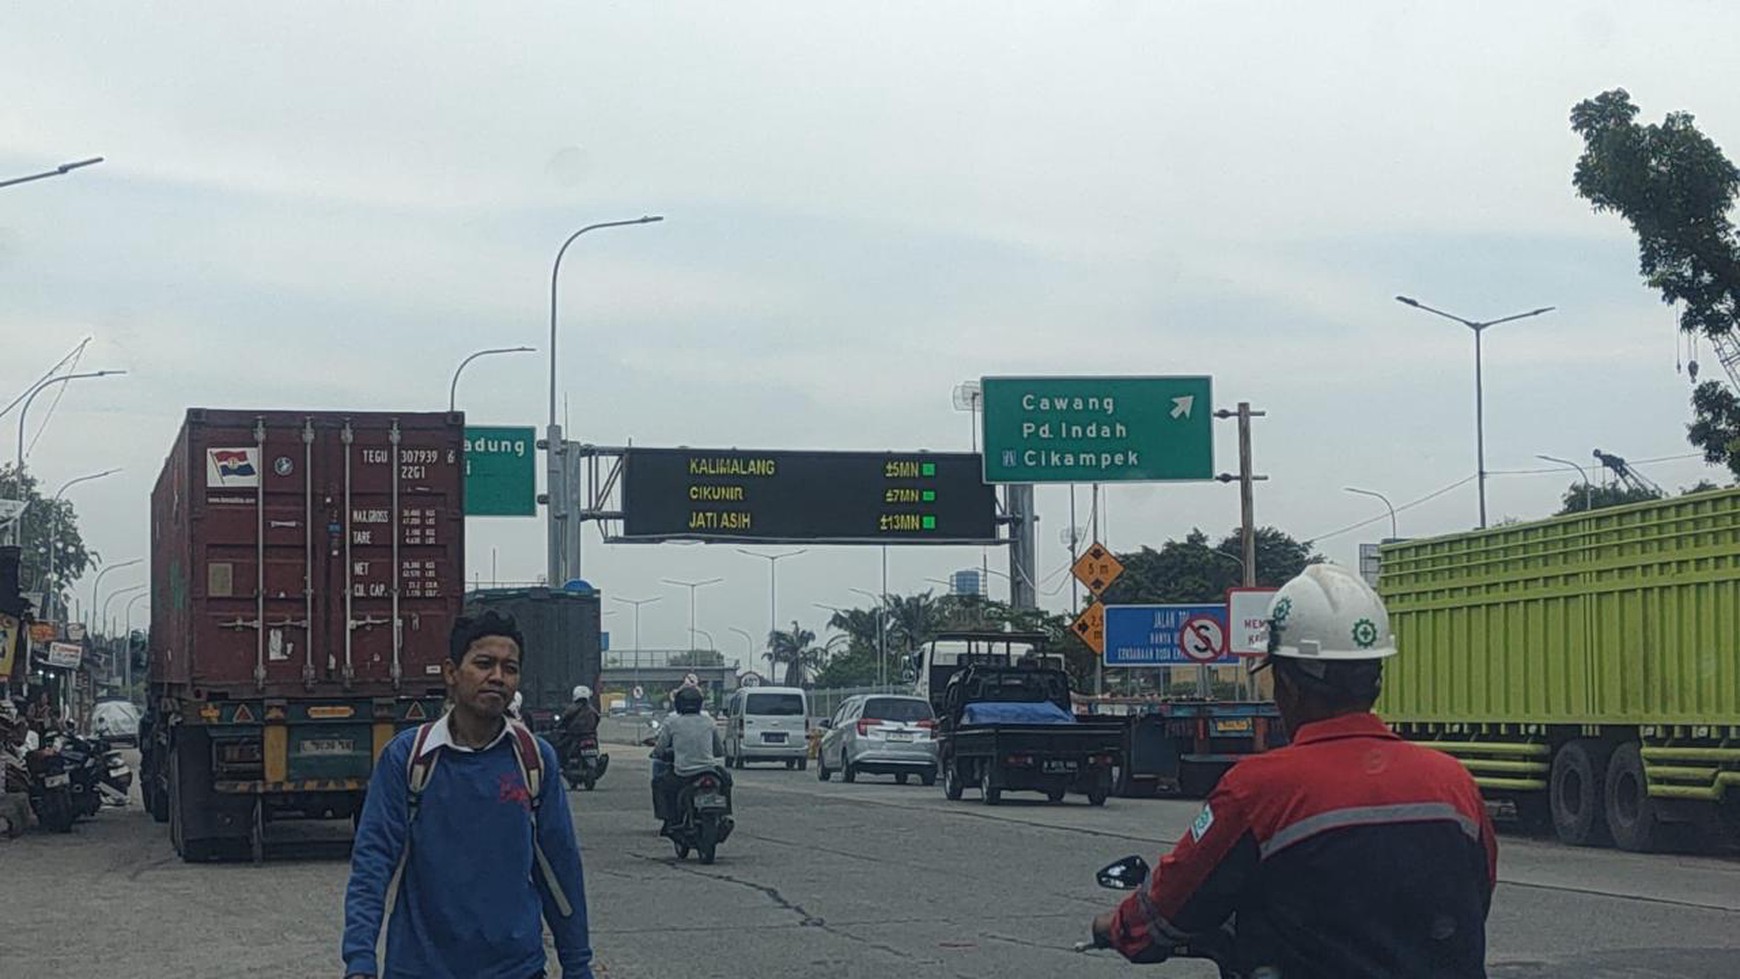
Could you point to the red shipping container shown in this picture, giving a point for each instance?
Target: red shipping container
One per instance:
(307, 554)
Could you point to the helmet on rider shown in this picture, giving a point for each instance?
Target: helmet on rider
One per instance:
(688, 699)
(1329, 634)
(582, 692)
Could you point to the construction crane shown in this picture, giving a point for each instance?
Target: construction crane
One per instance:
(1628, 477)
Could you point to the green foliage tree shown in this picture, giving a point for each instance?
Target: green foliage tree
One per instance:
(1676, 189)
(698, 657)
(1191, 570)
(46, 523)
(795, 651)
(1583, 497)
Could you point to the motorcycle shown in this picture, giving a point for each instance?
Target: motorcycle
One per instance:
(99, 775)
(585, 764)
(1216, 946)
(50, 789)
(703, 816)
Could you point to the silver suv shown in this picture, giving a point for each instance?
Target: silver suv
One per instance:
(879, 734)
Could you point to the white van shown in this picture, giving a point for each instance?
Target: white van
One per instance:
(768, 724)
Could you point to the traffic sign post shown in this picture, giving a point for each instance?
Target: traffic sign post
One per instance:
(1097, 568)
(1166, 635)
(1097, 429)
(501, 472)
(777, 496)
(1090, 626)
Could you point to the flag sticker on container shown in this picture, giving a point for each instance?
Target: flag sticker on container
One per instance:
(232, 468)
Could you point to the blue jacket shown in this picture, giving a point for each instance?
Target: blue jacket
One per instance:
(470, 905)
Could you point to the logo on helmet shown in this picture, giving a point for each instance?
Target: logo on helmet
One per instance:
(1365, 634)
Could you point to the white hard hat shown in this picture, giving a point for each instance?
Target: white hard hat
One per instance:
(582, 692)
(1329, 613)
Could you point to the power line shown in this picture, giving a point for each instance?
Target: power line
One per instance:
(1464, 481)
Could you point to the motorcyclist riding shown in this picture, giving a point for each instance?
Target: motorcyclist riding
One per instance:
(1351, 853)
(690, 742)
(580, 721)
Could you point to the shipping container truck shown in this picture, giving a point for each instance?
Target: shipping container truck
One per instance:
(306, 569)
(562, 645)
(1585, 669)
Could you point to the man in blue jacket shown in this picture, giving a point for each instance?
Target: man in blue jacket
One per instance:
(469, 814)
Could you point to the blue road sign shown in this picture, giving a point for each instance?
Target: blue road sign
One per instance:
(1166, 635)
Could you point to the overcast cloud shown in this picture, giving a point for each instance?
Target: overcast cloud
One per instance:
(328, 205)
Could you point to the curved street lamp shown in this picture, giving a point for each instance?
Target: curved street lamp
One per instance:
(63, 169)
(1374, 493)
(15, 531)
(95, 585)
(453, 388)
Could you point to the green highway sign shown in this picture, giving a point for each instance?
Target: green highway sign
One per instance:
(1097, 429)
(501, 472)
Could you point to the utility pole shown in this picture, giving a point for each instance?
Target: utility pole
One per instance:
(1247, 514)
(1023, 567)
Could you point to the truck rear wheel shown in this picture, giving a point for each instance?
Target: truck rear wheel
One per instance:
(1632, 815)
(1576, 793)
(990, 793)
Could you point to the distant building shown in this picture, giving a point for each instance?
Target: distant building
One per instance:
(969, 581)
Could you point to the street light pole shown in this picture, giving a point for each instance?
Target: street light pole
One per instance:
(95, 585)
(1479, 327)
(127, 634)
(748, 642)
(881, 631)
(1584, 473)
(692, 586)
(453, 388)
(1365, 492)
(107, 602)
(637, 603)
(15, 530)
(773, 584)
(64, 168)
(564, 541)
(50, 581)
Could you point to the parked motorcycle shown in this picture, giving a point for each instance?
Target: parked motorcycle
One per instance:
(99, 775)
(585, 764)
(1216, 946)
(50, 789)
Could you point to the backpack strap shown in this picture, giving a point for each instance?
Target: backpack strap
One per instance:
(418, 768)
(531, 761)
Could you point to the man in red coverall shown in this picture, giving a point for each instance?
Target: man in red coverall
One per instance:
(1349, 854)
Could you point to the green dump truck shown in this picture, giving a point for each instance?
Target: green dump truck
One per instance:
(1585, 669)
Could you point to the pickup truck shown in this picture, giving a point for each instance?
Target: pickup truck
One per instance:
(1004, 721)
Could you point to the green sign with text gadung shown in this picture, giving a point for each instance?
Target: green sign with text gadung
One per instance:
(1098, 429)
(501, 472)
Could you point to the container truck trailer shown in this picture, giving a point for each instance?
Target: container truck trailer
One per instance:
(307, 567)
(1585, 668)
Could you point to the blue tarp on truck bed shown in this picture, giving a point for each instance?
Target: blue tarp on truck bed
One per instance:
(996, 712)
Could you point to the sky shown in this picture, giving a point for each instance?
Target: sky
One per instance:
(328, 205)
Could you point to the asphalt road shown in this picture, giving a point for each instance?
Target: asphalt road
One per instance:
(865, 880)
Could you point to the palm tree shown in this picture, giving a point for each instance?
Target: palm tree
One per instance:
(796, 651)
(913, 620)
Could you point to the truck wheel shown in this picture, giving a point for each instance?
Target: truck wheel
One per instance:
(901, 779)
(1632, 815)
(1576, 794)
(1055, 795)
(803, 764)
(952, 788)
(822, 773)
(991, 795)
(1098, 794)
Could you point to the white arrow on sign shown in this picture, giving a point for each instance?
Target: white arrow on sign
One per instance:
(1181, 405)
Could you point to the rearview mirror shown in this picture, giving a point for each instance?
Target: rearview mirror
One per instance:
(1125, 875)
